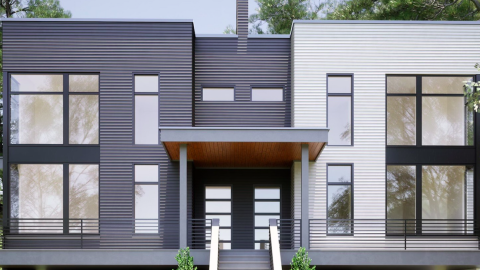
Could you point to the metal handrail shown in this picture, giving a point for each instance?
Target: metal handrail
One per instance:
(274, 246)
(214, 244)
(405, 234)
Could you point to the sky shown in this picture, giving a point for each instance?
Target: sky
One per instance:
(209, 16)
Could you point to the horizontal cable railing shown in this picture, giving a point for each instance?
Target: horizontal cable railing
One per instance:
(392, 234)
(289, 233)
(200, 233)
(90, 234)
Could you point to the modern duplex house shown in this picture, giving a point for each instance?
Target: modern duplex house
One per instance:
(126, 140)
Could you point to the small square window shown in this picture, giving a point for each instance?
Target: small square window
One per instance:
(267, 94)
(146, 83)
(218, 94)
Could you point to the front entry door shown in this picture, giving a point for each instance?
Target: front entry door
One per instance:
(266, 207)
(244, 200)
(218, 204)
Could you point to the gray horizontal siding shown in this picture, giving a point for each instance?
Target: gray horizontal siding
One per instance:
(265, 63)
(116, 50)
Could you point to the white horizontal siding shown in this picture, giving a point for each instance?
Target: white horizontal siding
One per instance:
(370, 51)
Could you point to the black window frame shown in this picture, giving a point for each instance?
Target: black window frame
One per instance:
(143, 183)
(65, 102)
(351, 184)
(351, 95)
(65, 195)
(418, 221)
(418, 107)
(134, 94)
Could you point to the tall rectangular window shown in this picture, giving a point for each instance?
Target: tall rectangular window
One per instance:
(218, 204)
(146, 198)
(83, 197)
(401, 198)
(401, 110)
(146, 109)
(267, 206)
(83, 109)
(38, 103)
(218, 94)
(339, 198)
(443, 120)
(339, 90)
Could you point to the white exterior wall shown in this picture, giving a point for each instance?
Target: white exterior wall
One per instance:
(370, 51)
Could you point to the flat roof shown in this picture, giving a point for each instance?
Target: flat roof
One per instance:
(95, 20)
(383, 22)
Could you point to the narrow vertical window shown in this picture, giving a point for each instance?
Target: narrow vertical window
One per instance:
(401, 194)
(146, 198)
(83, 197)
(218, 204)
(339, 89)
(267, 206)
(339, 199)
(146, 109)
(83, 109)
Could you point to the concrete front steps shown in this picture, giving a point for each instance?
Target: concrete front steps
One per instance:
(243, 259)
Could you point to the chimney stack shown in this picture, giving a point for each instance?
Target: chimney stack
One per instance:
(242, 18)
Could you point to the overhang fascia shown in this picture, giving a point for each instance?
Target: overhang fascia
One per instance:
(243, 134)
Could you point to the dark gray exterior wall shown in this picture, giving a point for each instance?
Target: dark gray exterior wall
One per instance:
(242, 182)
(227, 62)
(116, 50)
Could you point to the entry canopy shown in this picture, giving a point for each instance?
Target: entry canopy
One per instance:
(243, 146)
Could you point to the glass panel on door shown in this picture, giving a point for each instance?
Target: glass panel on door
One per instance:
(218, 205)
(267, 206)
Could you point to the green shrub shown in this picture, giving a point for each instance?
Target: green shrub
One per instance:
(185, 261)
(301, 261)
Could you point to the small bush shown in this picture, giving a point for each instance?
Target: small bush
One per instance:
(185, 261)
(301, 261)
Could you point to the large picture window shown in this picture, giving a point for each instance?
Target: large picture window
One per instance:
(430, 106)
(339, 91)
(38, 102)
(37, 197)
(432, 195)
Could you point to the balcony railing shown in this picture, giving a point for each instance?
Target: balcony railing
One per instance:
(289, 233)
(88, 234)
(363, 234)
(200, 231)
(347, 234)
